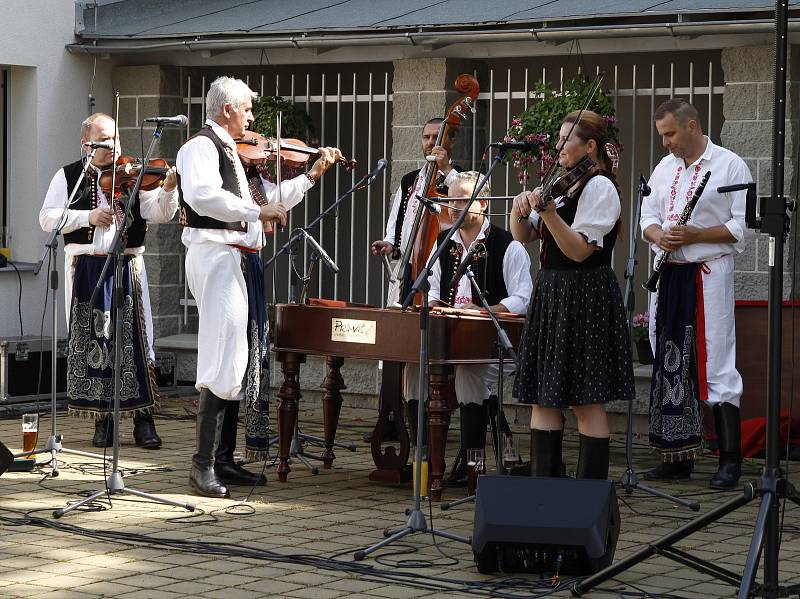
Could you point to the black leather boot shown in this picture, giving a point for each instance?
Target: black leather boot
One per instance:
(546, 452)
(209, 423)
(729, 433)
(593, 457)
(144, 432)
(103, 432)
(226, 469)
(473, 436)
(671, 471)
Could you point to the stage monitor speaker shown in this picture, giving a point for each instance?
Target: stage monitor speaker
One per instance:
(6, 458)
(525, 524)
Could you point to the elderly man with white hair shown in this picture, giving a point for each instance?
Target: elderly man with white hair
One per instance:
(223, 235)
(502, 271)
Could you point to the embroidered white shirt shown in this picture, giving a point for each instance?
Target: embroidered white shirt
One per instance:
(673, 183)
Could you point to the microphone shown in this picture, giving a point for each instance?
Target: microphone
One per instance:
(523, 146)
(318, 249)
(179, 120)
(100, 145)
(371, 177)
(644, 187)
(462, 268)
(432, 206)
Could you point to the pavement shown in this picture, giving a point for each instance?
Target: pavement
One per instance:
(297, 539)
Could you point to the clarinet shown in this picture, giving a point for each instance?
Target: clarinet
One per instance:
(652, 283)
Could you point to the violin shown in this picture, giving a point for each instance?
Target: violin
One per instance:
(126, 170)
(255, 149)
(561, 183)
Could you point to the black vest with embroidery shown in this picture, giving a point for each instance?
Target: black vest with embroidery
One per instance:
(86, 199)
(488, 267)
(230, 182)
(406, 187)
(551, 255)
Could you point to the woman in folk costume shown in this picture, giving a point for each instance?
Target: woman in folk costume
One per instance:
(575, 351)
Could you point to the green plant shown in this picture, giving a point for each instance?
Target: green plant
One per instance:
(541, 122)
(295, 121)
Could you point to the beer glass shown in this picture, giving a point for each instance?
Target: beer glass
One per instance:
(30, 431)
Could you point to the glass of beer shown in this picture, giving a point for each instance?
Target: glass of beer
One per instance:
(30, 431)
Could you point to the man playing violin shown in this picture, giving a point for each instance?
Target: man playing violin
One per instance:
(223, 234)
(502, 271)
(694, 304)
(575, 351)
(88, 227)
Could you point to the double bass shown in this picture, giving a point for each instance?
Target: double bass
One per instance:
(427, 224)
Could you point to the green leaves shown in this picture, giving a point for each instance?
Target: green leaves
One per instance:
(295, 121)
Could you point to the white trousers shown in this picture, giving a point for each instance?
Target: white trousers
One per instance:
(69, 269)
(474, 382)
(214, 275)
(724, 381)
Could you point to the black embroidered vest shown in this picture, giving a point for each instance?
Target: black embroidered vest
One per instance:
(551, 255)
(488, 267)
(230, 182)
(86, 199)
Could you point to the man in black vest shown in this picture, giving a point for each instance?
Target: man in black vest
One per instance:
(502, 270)
(223, 234)
(88, 227)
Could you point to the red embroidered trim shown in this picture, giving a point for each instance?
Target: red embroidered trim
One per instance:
(700, 320)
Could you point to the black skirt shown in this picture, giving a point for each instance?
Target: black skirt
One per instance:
(575, 348)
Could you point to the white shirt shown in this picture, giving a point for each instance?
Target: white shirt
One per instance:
(597, 212)
(516, 274)
(411, 209)
(157, 206)
(292, 190)
(673, 184)
(201, 183)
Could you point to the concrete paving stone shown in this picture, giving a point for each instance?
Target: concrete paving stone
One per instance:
(106, 588)
(315, 593)
(271, 587)
(190, 588)
(146, 581)
(397, 592)
(151, 594)
(226, 579)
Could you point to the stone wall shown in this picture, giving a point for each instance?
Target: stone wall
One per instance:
(423, 89)
(748, 112)
(147, 91)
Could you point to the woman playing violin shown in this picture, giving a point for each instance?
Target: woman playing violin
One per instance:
(575, 350)
(89, 226)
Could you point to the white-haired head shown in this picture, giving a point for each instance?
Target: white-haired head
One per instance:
(227, 90)
(467, 181)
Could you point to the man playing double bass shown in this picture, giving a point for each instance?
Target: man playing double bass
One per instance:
(399, 228)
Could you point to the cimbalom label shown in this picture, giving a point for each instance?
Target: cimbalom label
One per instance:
(353, 331)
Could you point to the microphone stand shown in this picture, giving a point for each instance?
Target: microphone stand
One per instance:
(416, 518)
(114, 482)
(504, 347)
(54, 445)
(630, 480)
(290, 248)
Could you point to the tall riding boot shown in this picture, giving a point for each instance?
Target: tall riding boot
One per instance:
(729, 433)
(210, 413)
(546, 452)
(473, 436)
(593, 457)
(412, 405)
(144, 432)
(226, 469)
(103, 432)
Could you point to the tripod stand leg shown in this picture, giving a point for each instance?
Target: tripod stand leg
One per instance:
(186, 506)
(756, 544)
(73, 506)
(361, 554)
(692, 505)
(448, 504)
(581, 587)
